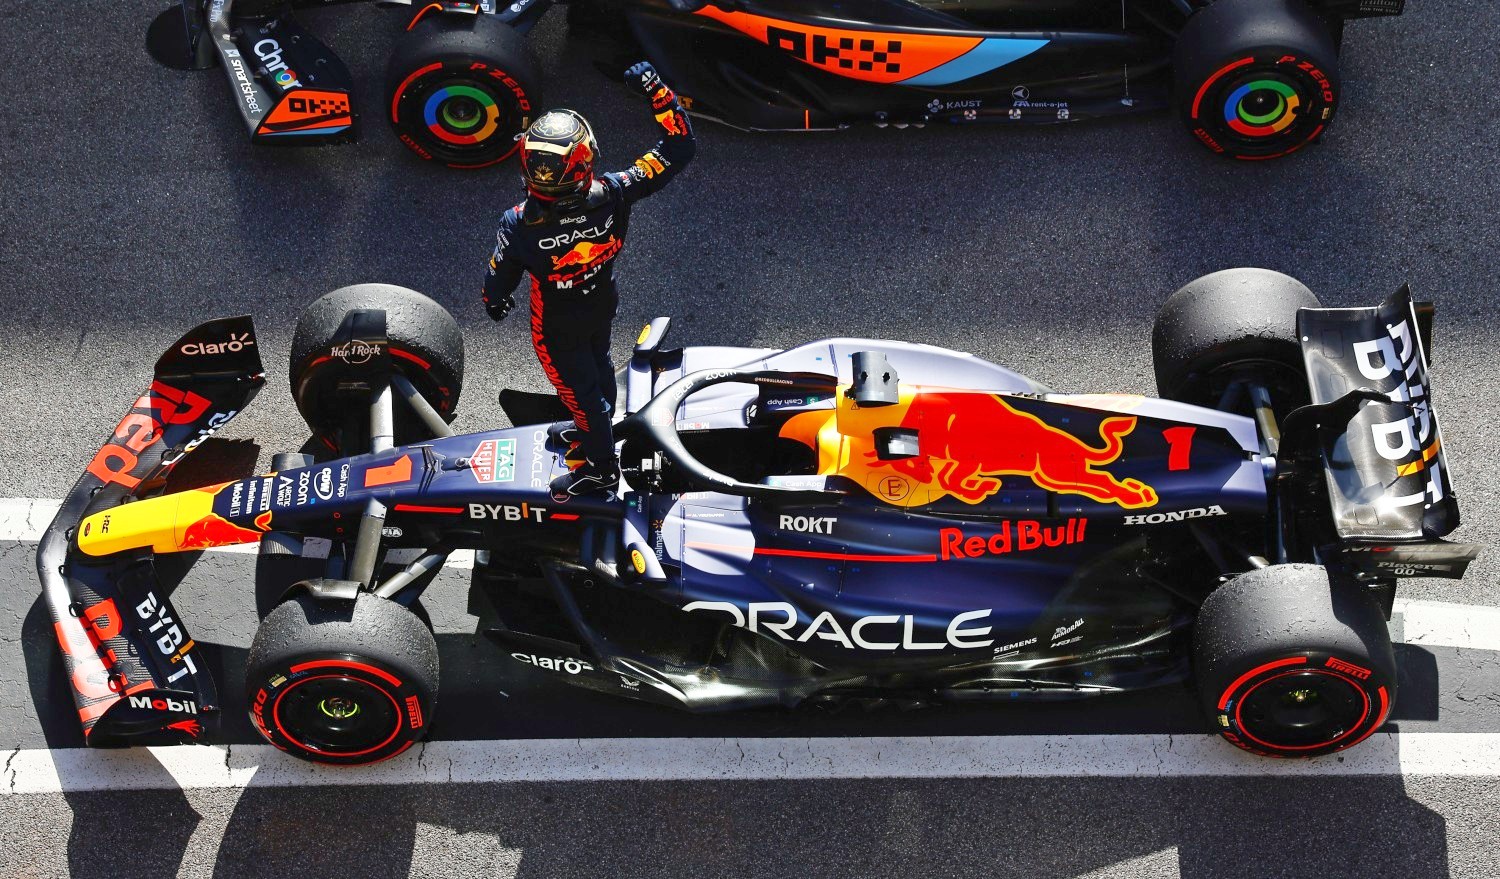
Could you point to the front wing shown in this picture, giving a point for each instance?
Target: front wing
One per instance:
(135, 673)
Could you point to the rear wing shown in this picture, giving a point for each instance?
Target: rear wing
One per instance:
(1389, 485)
(135, 673)
(1350, 9)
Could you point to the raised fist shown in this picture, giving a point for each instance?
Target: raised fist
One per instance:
(642, 78)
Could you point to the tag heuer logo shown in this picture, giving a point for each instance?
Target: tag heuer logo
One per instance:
(494, 461)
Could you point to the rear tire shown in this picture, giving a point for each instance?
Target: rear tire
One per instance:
(1290, 664)
(1256, 79)
(459, 88)
(426, 346)
(340, 683)
(1228, 323)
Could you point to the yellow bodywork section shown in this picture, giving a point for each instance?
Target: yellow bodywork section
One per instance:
(844, 436)
(179, 522)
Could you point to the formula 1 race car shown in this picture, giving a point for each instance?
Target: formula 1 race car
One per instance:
(845, 520)
(1253, 79)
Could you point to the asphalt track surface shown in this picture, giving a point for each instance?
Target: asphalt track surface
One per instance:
(132, 208)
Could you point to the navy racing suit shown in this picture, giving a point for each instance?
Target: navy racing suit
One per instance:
(570, 253)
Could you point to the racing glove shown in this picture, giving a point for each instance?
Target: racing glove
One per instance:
(643, 78)
(499, 307)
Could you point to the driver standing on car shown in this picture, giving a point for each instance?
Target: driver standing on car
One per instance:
(566, 234)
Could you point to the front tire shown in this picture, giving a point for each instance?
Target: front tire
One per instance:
(340, 683)
(1256, 79)
(426, 346)
(1290, 664)
(459, 88)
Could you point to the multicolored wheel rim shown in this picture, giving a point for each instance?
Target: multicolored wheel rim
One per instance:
(1262, 108)
(461, 115)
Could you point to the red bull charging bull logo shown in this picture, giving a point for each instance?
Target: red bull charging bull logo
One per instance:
(968, 441)
(586, 253)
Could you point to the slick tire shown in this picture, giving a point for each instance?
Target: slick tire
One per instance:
(1227, 325)
(426, 346)
(341, 683)
(459, 88)
(1256, 79)
(1289, 664)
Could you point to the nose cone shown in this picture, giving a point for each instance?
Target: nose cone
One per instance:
(171, 523)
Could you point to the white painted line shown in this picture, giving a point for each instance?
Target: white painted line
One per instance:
(24, 518)
(1444, 624)
(578, 760)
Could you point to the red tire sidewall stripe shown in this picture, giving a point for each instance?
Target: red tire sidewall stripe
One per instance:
(1240, 704)
(1203, 89)
(396, 706)
(345, 663)
(407, 355)
(1223, 702)
(1385, 708)
(401, 90)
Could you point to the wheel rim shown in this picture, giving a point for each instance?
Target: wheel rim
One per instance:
(462, 113)
(337, 715)
(1262, 107)
(1302, 710)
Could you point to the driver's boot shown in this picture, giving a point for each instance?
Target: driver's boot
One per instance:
(564, 433)
(591, 478)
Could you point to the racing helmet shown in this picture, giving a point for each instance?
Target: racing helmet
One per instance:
(557, 155)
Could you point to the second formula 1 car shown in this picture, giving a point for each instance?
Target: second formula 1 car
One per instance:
(1253, 79)
(850, 519)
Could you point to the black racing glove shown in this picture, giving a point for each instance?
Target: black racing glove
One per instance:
(643, 78)
(499, 308)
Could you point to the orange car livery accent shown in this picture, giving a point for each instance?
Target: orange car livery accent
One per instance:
(967, 441)
(907, 57)
(141, 428)
(390, 474)
(192, 727)
(85, 646)
(308, 111)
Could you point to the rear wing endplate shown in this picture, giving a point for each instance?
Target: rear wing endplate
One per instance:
(1388, 481)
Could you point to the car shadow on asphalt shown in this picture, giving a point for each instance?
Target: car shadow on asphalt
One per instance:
(1029, 827)
(1210, 827)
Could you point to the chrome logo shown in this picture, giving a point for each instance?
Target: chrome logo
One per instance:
(461, 114)
(1262, 108)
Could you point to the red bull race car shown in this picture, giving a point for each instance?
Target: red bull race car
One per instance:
(1253, 79)
(846, 520)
